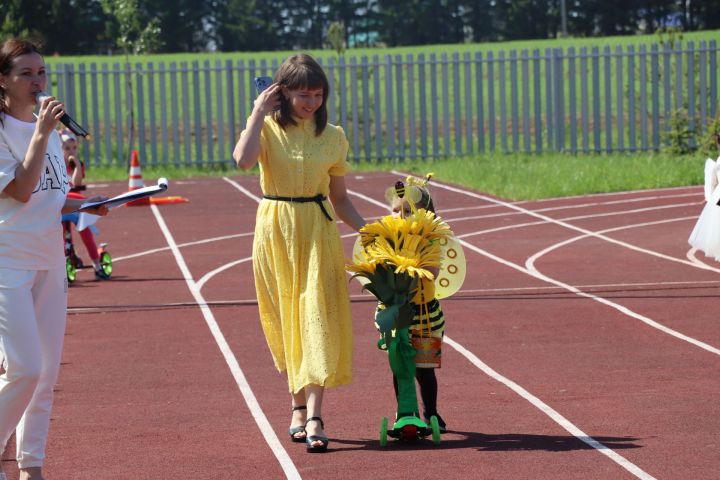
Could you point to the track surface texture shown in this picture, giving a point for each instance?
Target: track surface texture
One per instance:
(584, 344)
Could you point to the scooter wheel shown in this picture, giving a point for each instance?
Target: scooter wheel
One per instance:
(70, 270)
(106, 263)
(384, 432)
(435, 426)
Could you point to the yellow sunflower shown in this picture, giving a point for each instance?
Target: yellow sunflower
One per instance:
(408, 244)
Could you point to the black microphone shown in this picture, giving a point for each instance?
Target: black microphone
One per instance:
(65, 119)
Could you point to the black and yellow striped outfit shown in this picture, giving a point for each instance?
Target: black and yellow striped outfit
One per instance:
(423, 310)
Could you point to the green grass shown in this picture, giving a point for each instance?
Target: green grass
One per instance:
(523, 177)
(512, 176)
(438, 49)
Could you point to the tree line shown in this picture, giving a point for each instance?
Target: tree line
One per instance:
(81, 27)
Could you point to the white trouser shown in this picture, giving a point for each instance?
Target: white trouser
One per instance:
(33, 306)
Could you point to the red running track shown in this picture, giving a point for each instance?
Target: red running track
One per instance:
(584, 344)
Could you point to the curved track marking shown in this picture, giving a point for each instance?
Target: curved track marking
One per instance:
(693, 258)
(212, 273)
(263, 424)
(629, 245)
(550, 412)
(530, 265)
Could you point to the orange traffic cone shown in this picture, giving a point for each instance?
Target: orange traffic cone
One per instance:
(135, 180)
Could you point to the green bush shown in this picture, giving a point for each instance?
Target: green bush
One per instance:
(679, 137)
(710, 141)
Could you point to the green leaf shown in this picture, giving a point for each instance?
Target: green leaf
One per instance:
(386, 319)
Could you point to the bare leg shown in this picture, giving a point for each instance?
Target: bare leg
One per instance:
(314, 395)
(31, 473)
(298, 416)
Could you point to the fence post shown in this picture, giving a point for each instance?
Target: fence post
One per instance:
(479, 96)
(572, 99)
(631, 98)
(559, 96)
(354, 108)
(514, 101)
(389, 111)
(446, 104)
(526, 99)
(400, 114)
(655, 75)
(691, 92)
(140, 89)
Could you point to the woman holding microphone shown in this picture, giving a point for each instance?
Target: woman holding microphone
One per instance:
(33, 284)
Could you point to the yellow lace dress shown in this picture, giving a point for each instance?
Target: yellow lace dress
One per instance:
(298, 257)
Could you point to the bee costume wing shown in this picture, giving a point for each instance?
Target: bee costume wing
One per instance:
(452, 270)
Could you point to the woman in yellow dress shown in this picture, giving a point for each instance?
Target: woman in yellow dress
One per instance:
(298, 257)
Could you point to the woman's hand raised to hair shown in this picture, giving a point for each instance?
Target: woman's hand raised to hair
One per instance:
(268, 100)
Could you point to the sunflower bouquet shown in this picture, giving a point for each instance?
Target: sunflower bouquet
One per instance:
(397, 254)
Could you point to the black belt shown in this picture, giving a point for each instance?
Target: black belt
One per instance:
(317, 199)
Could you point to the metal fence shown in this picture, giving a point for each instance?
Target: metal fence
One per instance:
(404, 108)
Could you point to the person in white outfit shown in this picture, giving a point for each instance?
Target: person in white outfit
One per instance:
(705, 235)
(33, 283)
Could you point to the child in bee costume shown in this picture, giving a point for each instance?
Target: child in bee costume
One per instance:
(424, 243)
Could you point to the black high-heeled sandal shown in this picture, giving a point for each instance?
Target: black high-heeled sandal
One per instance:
(295, 430)
(309, 439)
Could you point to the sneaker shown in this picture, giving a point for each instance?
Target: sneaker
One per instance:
(100, 275)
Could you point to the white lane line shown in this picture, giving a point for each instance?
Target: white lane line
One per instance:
(579, 205)
(182, 245)
(242, 189)
(565, 219)
(699, 203)
(652, 285)
(617, 194)
(530, 265)
(263, 424)
(458, 295)
(550, 412)
(529, 224)
(382, 205)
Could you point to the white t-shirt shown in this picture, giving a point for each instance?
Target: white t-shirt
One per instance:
(31, 233)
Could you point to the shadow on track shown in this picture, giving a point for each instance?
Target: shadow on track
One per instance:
(483, 442)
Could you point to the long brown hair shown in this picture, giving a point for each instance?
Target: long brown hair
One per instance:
(297, 72)
(11, 49)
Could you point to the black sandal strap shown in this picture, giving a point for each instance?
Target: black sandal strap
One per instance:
(299, 407)
(322, 424)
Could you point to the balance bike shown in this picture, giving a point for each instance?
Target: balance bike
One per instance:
(73, 263)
